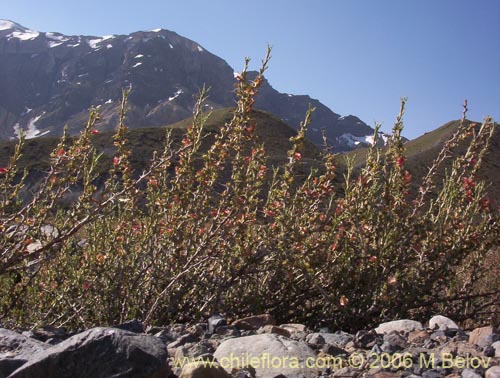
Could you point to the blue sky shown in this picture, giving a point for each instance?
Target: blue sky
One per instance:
(356, 56)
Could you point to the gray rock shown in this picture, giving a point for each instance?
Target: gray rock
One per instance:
(214, 322)
(134, 325)
(496, 346)
(470, 373)
(48, 334)
(403, 325)
(366, 339)
(442, 322)
(272, 354)
(184, 339)
(487, 340)
(100, 353)
(16, 349)
(493, 372)
(339, 339)
(489, 351)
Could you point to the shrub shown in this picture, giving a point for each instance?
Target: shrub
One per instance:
(216, 230)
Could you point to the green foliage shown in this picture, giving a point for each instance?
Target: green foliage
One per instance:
(212, 229)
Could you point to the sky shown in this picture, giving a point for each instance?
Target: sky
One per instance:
(357, 57)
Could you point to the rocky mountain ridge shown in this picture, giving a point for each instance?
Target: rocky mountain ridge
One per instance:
(49, 80)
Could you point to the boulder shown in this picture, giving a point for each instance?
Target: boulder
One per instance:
(269, 354)
(100, 353)
(493, 372)
(484, 336)
(16, 349)
(402, 325)
(203, 369)
(214, 322)
(442, 323)
(496, 347)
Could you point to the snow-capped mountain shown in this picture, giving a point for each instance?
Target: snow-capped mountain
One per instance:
(49, 80)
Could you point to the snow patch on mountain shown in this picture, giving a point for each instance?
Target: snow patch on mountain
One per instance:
(94, 42)
(176, 94)
(27, 35)
(200, 49)
(353, 141)
(31, 130)
(137, 64)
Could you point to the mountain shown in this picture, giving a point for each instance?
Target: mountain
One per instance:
(270, 130)
(49, 80)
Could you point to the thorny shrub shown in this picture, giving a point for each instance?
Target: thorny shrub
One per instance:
(210, 231)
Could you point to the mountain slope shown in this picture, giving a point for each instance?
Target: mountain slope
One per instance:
(422, 151)
(48, 80)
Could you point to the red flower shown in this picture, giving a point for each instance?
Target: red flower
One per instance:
(400, 161)
(3, 170)
(297, 156)
(407, 177)
(95, 132)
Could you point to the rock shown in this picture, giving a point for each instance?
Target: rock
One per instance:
(100, 353)
(383, 374)
(214, 322)
(403, 325)
(315, 340)
(16, 349)
(433, 373)
(418, 337)
(470, 373)
(49, 334)
(274, 329)
(395, 340)
(253, 323)
(346, 372)
(193, 351)
(339, 338)
(442, 323)
(488, 340)
(477, 334)
(489, 351)
(271, 355)
(297, 331)
(496, 346)
(493, 372)
(203, 370)
(366, 339)
(184, 339)
(334, 350)
(227, 331)
(439, 336)
(134, 326)
(243, 373)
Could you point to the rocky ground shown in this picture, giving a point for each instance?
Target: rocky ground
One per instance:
(251, 348)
